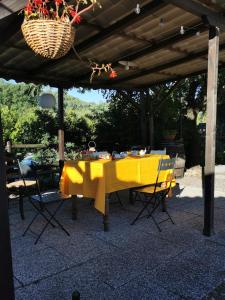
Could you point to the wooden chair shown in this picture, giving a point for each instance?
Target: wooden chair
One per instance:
(156, 194)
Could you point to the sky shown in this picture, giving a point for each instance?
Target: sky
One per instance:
(89, 96)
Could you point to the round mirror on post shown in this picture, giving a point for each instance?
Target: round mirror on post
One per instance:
(47, 101)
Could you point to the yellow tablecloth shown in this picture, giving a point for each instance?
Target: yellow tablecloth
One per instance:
(96, 178)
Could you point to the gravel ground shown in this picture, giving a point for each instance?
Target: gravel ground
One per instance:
(193, 177)
(217, 294)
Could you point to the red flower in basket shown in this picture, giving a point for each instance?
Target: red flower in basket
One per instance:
(29, 9)
(58, 2)
(77, 19)
(113, 74)
(44, 11)
(38, 2)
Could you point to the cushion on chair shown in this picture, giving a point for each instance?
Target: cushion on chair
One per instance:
(20, 183)
(150, 189)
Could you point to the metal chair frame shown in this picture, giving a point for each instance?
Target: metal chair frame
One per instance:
(157, 198)
(42, 208)
(117, 196)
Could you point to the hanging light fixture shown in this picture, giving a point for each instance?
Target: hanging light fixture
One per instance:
(47, 100)
(138, 9)
(128, 64)
(161, 22)
(182, 30)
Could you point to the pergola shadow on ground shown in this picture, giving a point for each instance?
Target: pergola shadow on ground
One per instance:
(152, 40)
(128, 262)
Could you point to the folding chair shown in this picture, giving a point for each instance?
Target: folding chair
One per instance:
(157, 193)
(40, 202)
(16, 186)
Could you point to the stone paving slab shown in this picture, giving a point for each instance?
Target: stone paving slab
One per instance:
(219, 237)
(77, 248)
(24, 246)
(17, 284)
(61, 287)
(39, 264)
(184, 277)
(140, 288)
(182, 235)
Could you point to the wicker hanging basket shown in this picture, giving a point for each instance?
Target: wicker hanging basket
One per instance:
(48, 38)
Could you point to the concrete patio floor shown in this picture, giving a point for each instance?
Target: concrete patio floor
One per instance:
(128, 262)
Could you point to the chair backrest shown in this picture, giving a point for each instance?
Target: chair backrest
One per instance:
(26, 171)
(164, 165)
(161, 152)
(12, 172)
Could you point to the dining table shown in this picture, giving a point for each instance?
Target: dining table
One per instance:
(97, 179)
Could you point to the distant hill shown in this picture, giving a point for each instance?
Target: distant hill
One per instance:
(73, 102)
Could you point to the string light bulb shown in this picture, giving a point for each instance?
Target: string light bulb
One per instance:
(197, 33)
(161, 22)
(138, 9)
(182, 30)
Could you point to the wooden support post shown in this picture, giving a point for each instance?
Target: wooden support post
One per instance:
(9, 146)
(209, 171)
(61, 125)
(6, 272)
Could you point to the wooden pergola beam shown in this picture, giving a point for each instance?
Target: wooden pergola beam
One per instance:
(21, 76)
(5, 10)
(217, 5)
(176, 77)
(13, 27)
(209, 16)
(163, 67)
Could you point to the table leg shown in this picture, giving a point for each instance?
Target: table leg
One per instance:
(74, 207)
(164, 205)
(131, 197)
(21, 205)
(106, 215)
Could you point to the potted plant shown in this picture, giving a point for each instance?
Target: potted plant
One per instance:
(48, 26)
(170, 134)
